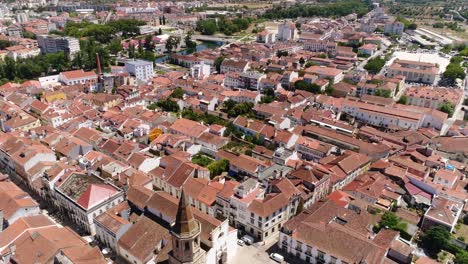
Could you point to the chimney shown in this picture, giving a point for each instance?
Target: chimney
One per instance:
(98, 64)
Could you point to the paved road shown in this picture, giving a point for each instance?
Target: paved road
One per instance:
(255, 254)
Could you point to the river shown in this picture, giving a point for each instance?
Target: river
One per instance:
(200, 47)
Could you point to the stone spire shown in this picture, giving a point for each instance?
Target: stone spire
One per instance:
(185, 224)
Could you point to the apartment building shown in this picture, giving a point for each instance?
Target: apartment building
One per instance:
(78, 77)
(395, 28)
(266, 37)
(320, 46)
(54, 44)
(141, 69)
(329, 233)
(242, 96)
(414, 71)
(286, 31)
(312, 149)
(250, 80)
(230, 65)
(84, 197)
(432, 97)
(344, 168)
(260, 211)
(383, 116)
(333, 74)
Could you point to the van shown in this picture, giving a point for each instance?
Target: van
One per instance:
(248, 239)
(277, 257)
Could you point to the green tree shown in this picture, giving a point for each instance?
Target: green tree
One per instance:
(189, 43)
(146, 55)
(435, 239)
(403, 100)
(454, 71)
(218, 62)
(4, 44)
(131, 51)
(218, 167)
(207, 27)
(178, 93)
(281, 53)
(412, 26)
(168, 106)
(323, 9)
(461, 257)
(29, 35)
(329, 89)
(301, 61)
(172, 43)
(201, 160)
(447, 107)
(229, 104)
(128, 27)
(310, 87)
(149, 45)
(374, 65)
(114, 46)
(383, 93)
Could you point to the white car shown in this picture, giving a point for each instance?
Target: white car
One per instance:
(277, 257)
(240, 242)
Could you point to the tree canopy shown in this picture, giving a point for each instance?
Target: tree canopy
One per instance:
(103, 32)
(374, 65)
(435, 239)
(310, 87)
(223, 25)
(447, 107)
(341, 8)
(218, 167)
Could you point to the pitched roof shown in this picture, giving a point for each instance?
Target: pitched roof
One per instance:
(95, 194)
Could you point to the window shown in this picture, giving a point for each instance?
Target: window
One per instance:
(187, 246)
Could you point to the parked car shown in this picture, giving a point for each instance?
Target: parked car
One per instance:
(248, 239)
(277, 257)
(240, 242)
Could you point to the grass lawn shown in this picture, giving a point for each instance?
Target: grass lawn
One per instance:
(462, 232)
(202, 160)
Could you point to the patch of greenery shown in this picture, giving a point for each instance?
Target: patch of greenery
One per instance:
(391, 221)
(234, 109)
(374, 65)
(447, 107)
(205, 117)
(383, 93)
(201, 159)
(165, 105)
(218, 167)
(223, 24)
(403, 100)
(341, 8)
(310, 87)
